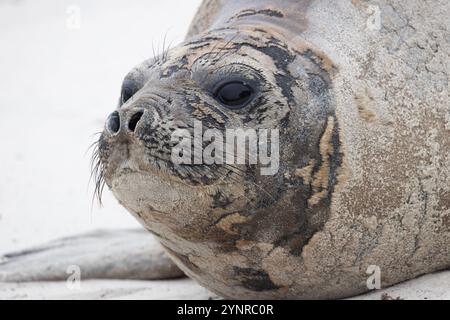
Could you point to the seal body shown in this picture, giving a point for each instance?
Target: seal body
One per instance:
(359, 93)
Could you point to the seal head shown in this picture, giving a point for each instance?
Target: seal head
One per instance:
(225, 79)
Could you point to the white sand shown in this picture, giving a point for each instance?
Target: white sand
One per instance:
(429, 287)
(106, 289)
(57, 87)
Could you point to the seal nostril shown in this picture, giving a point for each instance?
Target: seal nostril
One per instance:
(114, 122)
(134, 120)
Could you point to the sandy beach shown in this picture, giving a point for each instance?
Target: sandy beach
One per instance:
(59, 83)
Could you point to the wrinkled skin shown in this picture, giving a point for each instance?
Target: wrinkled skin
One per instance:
(239, 233)
(223, 204)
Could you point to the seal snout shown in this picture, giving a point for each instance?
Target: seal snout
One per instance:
(119, 121)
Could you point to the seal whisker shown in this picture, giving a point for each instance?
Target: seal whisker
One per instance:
(93, 144)
(165, 51)
(97, 173)
(225, 53)
(225, 46)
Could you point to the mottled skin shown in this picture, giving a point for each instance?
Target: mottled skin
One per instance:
(364, 152)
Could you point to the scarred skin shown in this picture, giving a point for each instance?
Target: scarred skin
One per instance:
(364, 128)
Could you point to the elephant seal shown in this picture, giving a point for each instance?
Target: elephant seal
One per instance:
(358, 91)
(358, 94)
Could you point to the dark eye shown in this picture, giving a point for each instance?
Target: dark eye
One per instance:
(234, 94)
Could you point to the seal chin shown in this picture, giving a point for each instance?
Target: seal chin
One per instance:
(136, 178)
(144, 192)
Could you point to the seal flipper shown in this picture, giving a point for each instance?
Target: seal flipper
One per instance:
(122, 254)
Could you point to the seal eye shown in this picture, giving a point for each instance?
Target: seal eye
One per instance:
(234, 95)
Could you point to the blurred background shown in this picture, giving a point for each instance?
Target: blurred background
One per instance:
(61, 68)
